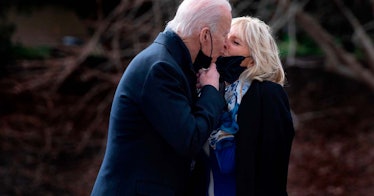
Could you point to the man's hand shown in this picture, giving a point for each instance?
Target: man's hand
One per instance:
(208, 76)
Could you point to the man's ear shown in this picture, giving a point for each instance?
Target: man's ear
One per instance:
(204, 35)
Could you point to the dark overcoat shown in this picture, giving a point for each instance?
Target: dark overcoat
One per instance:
(264, 141)
(157, 123)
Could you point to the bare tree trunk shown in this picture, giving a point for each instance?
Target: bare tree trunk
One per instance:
(339, 59)
(363, 39)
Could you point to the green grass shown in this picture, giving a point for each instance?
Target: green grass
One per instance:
(304, 47)
(21, 52)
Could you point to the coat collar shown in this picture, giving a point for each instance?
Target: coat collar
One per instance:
(176, 47)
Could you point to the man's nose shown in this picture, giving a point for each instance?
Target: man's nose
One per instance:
(225, 47)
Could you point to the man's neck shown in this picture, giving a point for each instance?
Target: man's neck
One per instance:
(192, 46)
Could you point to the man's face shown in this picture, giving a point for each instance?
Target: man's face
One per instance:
(219, 37)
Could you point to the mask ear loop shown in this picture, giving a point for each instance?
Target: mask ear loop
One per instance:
(211, 44)
(211, 49)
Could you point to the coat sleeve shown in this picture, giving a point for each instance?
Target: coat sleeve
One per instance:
(264, 140)
(182, 123)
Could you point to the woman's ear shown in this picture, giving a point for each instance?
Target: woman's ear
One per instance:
(250, 61)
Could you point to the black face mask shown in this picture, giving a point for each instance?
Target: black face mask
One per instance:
(201, 61)
(229, 68)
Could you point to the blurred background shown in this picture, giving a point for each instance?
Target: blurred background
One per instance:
(60, 61)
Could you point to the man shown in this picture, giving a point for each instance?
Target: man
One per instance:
(158, 122)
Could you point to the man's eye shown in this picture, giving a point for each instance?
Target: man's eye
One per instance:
(236, 43)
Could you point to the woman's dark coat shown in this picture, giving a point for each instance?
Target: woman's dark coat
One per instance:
(264, 141)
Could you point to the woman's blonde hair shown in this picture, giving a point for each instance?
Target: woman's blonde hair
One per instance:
(264, 50)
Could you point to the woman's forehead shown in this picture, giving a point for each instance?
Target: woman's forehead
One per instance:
(235, 33)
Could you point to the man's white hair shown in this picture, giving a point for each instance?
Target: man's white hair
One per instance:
(193, 15)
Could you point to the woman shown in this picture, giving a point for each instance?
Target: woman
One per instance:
(249, 152)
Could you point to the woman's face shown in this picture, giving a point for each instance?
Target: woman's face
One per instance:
(237, 47)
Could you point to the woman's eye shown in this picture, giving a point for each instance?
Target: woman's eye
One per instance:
(236, 43)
